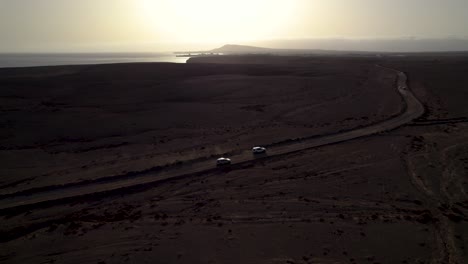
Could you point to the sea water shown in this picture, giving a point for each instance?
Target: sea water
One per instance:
(54, 59)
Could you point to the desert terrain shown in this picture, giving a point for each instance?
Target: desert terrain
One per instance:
(394, 193)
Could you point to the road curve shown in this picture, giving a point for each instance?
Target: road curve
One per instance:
(412, 110)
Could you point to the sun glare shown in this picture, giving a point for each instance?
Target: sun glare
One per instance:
(217, 20)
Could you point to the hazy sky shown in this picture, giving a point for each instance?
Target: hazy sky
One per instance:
(164, 25)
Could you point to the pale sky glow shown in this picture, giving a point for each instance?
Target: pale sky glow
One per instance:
(165, 25)
(218, 20)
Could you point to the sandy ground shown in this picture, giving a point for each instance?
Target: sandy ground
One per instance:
(396, 197)
(125, 118)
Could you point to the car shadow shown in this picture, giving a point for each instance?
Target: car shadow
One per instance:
(260, 155)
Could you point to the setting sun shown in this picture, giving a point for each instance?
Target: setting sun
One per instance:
(217, 20)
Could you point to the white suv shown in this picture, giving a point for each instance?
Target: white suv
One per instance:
(258, 150)
(223, 161)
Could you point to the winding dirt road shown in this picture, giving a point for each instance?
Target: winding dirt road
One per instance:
(412, 110)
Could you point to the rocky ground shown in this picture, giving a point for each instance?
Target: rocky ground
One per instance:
(396, 197)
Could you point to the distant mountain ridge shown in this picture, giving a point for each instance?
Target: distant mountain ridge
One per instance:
(244, 49)
(343, 47)
(403, 44)
(231, 48)
(358, 47)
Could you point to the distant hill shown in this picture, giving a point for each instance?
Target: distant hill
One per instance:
(349, 46)
(241, 49)
(365, 48)
(231, 49)
(344, 47)
(382, 45)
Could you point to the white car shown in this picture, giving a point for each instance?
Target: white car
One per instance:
(258, 150)
(223, 161)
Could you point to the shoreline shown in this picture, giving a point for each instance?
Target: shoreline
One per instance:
(28, 60)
